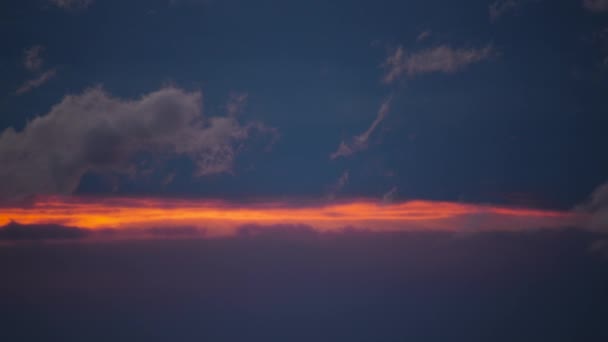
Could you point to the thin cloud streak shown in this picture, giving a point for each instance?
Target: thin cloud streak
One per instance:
(361, 142)
(442, 58)
(34, 83)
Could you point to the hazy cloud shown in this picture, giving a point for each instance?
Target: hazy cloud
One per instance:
(32, 59)
(442, 58)
(424, 35)
(360, 142)
(94, 131)
(72, 4)
(596, 5)
(236, 103)
(500, 7)
(390, 195)
(342, 181)
(34, 83)
(597, 208)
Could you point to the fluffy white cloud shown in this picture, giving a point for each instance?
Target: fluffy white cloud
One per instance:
(442, 58)
(94, 131)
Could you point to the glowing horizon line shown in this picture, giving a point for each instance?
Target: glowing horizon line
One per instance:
(223, 217)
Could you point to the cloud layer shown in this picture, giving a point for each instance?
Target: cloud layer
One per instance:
(94, 131)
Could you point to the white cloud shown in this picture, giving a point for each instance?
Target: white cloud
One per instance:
(94, 131)
(596, 5)
(442, 58)
(32, 59)
(360, 142)
(34, 83)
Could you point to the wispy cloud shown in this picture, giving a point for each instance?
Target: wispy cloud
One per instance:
(597, 208)
(424, 35)
(360, 142)
(500, 7)
(32, 59)
(596, 5)
(34, 83)
(390, 196)
(236, 103)
(442, 58)
(73, 4)
(340, 184)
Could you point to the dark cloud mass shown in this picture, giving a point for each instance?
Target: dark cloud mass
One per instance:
(94, 131)
(40, 232)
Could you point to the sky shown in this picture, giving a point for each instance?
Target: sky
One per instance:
(486, 103)
(221, 129)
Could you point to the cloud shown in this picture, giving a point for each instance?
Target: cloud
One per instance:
(390, 196)
(596, 5)
(236, 103)
(94, 131)
(442, 58)
(189, 2)
(18, 232)
(34, 83)
(342, 181)
(597, 209)
(360, 142)
(424, 35)
(500, 7)
(32, 59)
(72, 4)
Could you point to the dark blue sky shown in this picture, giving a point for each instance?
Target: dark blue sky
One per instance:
(520, 120)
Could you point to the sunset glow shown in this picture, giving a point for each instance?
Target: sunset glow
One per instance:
(221, 218)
